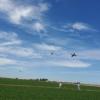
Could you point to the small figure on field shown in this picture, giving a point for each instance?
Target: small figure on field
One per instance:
(60, 85)
(78, 86)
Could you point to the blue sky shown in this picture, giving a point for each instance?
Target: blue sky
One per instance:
(30, 30)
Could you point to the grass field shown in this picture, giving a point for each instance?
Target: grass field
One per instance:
(12, 89)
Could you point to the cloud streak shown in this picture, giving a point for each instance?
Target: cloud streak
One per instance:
(6, 61)
(68, 63)
(47, 47)
(79, 26)
(9, 38)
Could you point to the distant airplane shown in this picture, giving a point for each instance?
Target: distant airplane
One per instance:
(52, 53)
(73, 55)
(20, 71)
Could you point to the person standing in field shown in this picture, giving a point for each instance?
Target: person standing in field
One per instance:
(78, 86)
(60, 85)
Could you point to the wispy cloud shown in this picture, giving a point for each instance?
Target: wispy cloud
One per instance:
(9, 38)
(60, 63)
(70, 63)
(6, 61)
(79, 26)
(10, 43)
(47, 47)
(8, 35)
(20, 52)
(14, 42)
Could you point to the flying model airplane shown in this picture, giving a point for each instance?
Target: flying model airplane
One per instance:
(52, 53)
(20, 71)
(73, 55)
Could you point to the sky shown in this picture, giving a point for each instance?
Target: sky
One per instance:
(30, 30)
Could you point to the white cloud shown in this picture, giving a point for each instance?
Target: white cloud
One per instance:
(55, 63)
(16, 13)
(9, 38)
(5, 5)
(20, 52)
(28, 16)
(14, 42)
(6, 61)
(39, 27)
(43, 7)
(47, 47)
(20, 14)
(10, 44)
(58, 29)
(61, 63)
(79, 26)
(69, 63)
(73, 27)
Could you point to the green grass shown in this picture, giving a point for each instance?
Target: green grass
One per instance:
(49, 91)
(27, 82)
